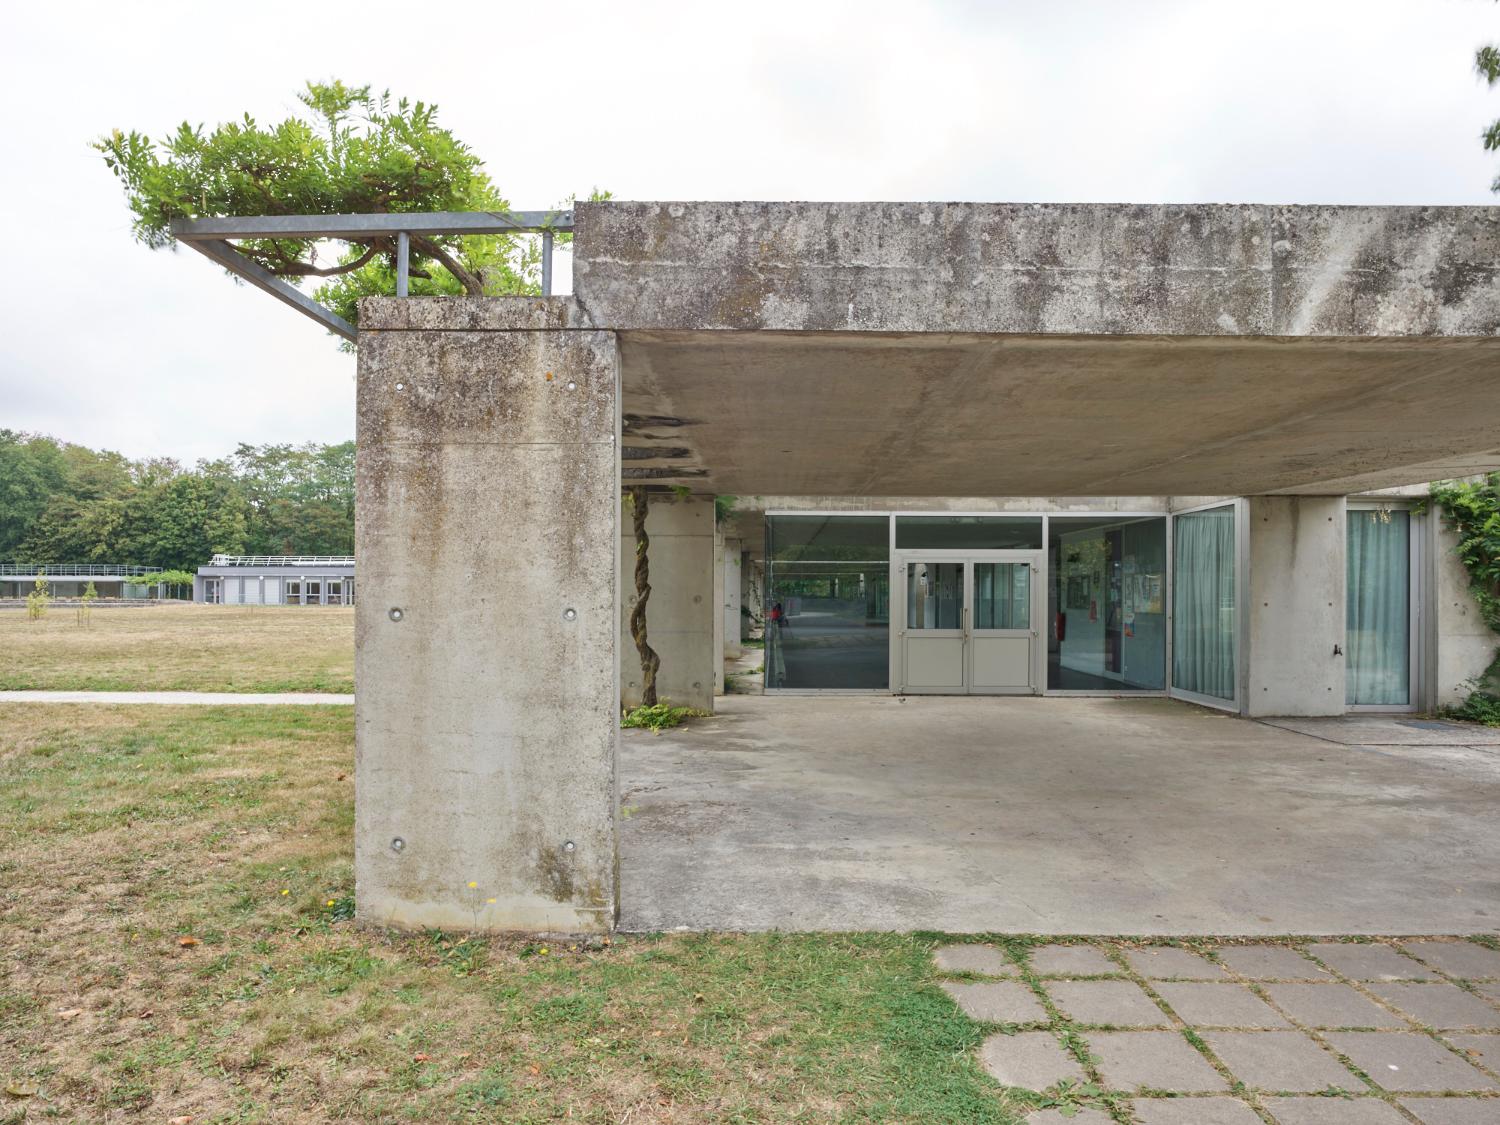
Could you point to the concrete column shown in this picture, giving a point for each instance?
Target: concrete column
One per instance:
(680, 617)
(1294, 606)
(733, 581)
(1457, 645)
(487, 713)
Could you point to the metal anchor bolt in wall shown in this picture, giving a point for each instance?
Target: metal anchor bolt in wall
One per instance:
(570, 614)
(398, 844)
(396, 613)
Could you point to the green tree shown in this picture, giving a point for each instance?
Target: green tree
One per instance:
(39, 599)
(1487, 63)
(33, 470)
(352, 152)
(193, 517)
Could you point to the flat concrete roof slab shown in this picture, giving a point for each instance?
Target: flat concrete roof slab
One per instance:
(1067, 816)
(963, 415)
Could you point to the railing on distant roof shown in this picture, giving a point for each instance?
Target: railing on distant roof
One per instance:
(282, 560)
(72, 570)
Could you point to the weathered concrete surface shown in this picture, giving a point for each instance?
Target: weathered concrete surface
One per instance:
(680, 617)
(734, 580)
(1295, 605)
(486, 629)
(1109, 269)
(1458, 643)
(1049, 815)
(934, 414)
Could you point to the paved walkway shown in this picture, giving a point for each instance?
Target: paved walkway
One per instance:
(1299, 1033)
(197, 698)
(1059, 816)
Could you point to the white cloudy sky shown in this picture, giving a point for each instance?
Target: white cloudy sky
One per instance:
(106, 343)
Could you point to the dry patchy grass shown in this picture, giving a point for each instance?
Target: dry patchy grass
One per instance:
(123, 829)
(180, 648)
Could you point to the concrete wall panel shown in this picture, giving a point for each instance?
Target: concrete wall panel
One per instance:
(486, 714)
(680, 615)
(1295, 605)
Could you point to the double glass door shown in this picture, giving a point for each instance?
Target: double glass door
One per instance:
(969, 624)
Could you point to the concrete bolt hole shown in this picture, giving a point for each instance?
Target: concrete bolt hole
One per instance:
(570, 614)
(396, 613)
(398, 844)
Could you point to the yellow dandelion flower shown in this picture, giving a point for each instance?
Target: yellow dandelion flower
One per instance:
(490, 901)
(543, 951)
(285, 891)
(473, 885)
(330, 902)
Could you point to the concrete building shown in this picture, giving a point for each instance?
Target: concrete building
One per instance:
(70, 580)
(977, 449)
(276, 580)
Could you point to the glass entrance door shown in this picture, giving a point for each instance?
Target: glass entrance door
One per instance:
(968, 623)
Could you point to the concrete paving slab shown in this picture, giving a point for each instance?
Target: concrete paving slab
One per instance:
(1453, 1111)
(1331, 1005)
(1485, 1049)
(1165, 962)
(1440, 1005)
(872, 812)
(1194, 1111)
(1333, 1111)
(982, 960)
(1369, 962)
(1489, 991)
(1072, 961)
(998, 1002)
(1271, 962)
(1114, 1003)
(1464, 959)
(1211, 1004)
(1157, 1060)
(1084, 1116)
(1032, 1060)
(1280, 1060)
(1409, 1062)
(183, 698)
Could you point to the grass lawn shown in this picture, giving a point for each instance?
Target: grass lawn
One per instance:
(180, 648)
(127, 831)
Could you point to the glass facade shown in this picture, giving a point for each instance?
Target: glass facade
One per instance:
(980, 533)
(1378, 609)
(1106, 598)
(1204, 608)
(828, 602)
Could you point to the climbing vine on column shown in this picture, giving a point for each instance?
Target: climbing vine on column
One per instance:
(1472, 509)
(640, 506)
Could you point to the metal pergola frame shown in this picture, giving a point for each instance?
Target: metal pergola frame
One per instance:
(210, 237)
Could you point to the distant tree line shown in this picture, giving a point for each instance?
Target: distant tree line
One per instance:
(66, 503)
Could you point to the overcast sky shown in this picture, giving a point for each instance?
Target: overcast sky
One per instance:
(109, 344)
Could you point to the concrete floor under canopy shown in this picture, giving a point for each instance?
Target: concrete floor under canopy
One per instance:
(1065, 816)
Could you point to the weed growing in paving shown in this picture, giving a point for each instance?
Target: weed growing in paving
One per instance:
(659, 716)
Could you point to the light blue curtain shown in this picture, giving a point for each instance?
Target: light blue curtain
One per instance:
(1203, 603)
(1378, 609)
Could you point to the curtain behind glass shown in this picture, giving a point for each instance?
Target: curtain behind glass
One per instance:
(1203, 603)
(1378, 609)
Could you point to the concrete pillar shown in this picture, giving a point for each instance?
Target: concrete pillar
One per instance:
(1457, 645)
(752, 593)
(486, 627)
(680, 617)
(733, 584)
(719, 634)
(1295, 606)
